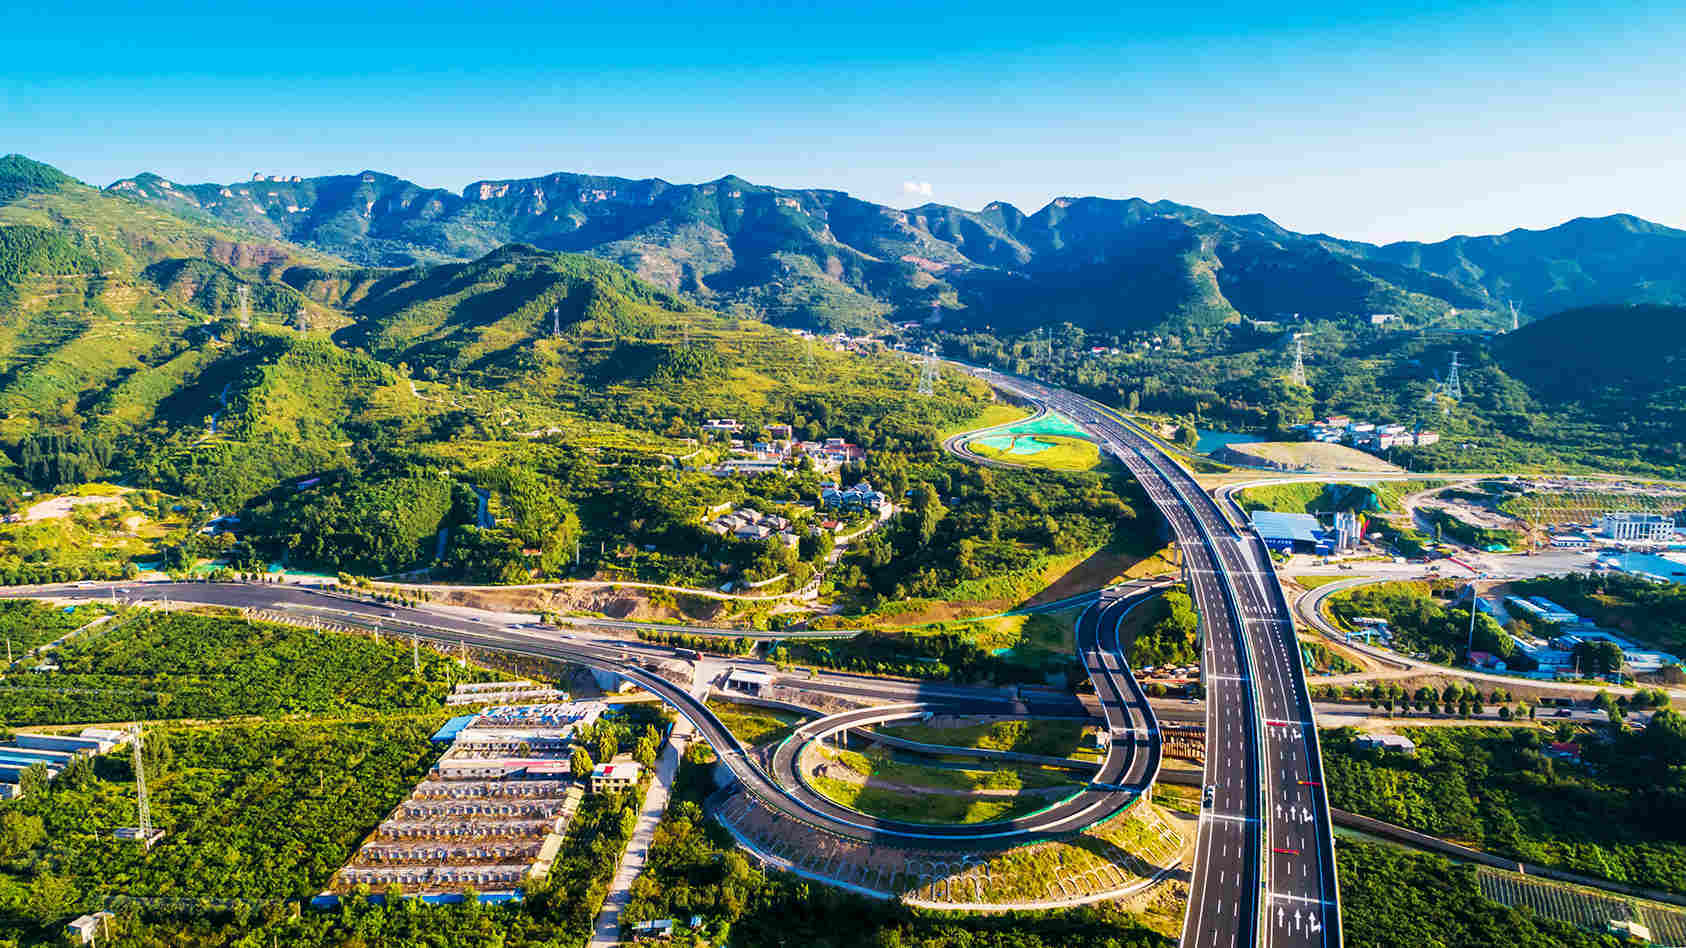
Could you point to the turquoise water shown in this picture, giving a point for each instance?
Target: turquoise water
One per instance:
(1020, 445)
(1211, 440)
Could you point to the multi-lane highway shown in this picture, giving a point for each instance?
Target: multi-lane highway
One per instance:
(1264, 863)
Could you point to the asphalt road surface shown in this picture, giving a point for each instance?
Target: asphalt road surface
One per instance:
(638, 662)
(1264, 861)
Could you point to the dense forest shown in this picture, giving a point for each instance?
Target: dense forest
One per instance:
(153, 665)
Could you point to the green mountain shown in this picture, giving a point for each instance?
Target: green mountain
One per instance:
(1627, 350)
(806, 257)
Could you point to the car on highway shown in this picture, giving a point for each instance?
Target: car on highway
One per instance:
(1211, 793)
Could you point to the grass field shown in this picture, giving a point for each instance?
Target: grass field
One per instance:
(1313, 582)
(926, 807)
(752, 725)
(992, 416)
(1063, 454)
(879, 765)
(1048, 738)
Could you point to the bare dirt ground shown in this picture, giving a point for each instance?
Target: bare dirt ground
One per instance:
(61, 506)
(616, 603)
(1305, 455)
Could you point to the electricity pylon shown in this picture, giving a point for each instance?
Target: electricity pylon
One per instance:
(928, 374)
(1297, 373)
(245, 295)
(1454, 386)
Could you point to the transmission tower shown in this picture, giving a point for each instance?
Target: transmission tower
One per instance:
(303, 319)
(1297, 373)
(1515, 321)
(1454, 387)
(245, 294)
(142, 832)
(808, 352)
(555, 322)
(928, 374)
(415, 655)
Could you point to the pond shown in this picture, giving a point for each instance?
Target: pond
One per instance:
(1210, 440)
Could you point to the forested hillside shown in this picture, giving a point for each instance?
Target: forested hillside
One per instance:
(816, 256)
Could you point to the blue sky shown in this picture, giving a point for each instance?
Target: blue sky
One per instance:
(1378, 121)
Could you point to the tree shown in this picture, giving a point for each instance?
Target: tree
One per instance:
(579, 764)
(1598, 658)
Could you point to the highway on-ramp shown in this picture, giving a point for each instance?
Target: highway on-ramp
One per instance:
(1264, 862)
(1124, 780)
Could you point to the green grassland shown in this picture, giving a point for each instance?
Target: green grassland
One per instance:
(752, 725)
(926, 807)
(1320, 497)
(1047, 738)
(1063, 454)
(881, 765)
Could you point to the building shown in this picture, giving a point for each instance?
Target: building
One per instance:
(84, 929)
(719, 425)
(1382, 319)
(1542, 610)
(660, 928)
(1292, 532)
(1571, 541)
(780, 432)
(1393, 742)
(748, 682)
(1628, 930)
(614, 778)
(1633, 526)
(862, 496)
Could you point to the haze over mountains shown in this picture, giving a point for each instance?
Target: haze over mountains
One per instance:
(821, 257)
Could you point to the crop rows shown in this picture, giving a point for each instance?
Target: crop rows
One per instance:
(1586, 909)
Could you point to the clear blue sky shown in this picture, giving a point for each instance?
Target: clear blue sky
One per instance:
(1379, 121)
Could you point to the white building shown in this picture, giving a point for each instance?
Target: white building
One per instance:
(608, 778)
(1645, 527)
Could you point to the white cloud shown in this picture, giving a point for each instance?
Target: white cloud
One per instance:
(917, 188)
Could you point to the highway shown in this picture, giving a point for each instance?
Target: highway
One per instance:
(1124, 778)
(1127, 771)
(1264, 861)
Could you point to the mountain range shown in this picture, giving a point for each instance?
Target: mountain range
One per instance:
(820, 257)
